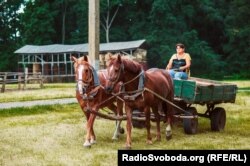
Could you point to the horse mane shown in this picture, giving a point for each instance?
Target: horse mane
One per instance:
(132, 66)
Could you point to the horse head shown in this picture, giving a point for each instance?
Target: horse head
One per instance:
(115, 70)
(83, 73)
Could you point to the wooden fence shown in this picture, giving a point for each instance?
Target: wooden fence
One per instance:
(20, 79)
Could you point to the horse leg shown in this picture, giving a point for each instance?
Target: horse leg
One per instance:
(118, 129)
(128, 126)
(120, 113)
(113, 108)
(90, 121)
(83, 106)
(147, 124)
(170, 112)
(87, 137)
(92, 133)
(158, 120)
(168, 129)
(89, 130)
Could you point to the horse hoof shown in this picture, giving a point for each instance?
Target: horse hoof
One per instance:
(115, 138)
(168, 137)
(128, 147)
(92, 141)
(158, 139)
(149, 142)
(87, 144)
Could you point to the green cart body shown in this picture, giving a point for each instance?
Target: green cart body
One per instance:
(203, 92)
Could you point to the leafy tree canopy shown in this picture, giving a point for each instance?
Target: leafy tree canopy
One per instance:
(215, 32)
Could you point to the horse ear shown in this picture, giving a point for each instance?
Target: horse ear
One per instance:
(110, 56)
(86, 58)
(72, 58)
(119, 58)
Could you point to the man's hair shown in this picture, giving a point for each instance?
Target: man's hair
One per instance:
(180, 45)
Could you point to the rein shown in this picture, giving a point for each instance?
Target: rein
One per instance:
(106, 100)
(83, 82)
(85, 85)
(132, 95)
(89, 79)
(121, 69)
(123, 84)
(142, 72)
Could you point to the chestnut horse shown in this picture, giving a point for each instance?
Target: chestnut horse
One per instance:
(137, 85)
(90, 94)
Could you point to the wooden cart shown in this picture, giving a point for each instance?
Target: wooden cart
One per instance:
(186, 94)
(203, 92)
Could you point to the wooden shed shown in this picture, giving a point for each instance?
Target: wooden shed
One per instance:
(53, 61)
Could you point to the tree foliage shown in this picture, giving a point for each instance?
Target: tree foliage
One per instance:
(238, 29)
(215, 32)
(9, 35)
(38, 23)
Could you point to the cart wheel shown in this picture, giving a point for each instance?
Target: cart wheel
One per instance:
(190, 125)
(135, 123)
(218, 119)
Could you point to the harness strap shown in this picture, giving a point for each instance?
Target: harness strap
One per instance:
(95, 76)
(90, 95)
(141, 80)
(141, 74)
(83, 83)
(137, 92)
(169, 102)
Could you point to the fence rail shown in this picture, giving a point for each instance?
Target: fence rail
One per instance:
(19, 78)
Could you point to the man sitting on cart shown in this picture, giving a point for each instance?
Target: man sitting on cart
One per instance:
(179, 64)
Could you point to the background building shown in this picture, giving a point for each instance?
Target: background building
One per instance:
(53, 61)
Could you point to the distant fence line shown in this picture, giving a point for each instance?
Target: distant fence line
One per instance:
(19, 78)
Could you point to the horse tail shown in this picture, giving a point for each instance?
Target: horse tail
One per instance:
(168, 108)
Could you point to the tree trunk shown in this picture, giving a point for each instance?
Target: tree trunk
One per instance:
(63, 21)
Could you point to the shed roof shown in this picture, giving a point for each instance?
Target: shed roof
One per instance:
(79, 48)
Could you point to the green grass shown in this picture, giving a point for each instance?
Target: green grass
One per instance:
(50, 91)
(242, 84)
(53, 135)
(64, 90)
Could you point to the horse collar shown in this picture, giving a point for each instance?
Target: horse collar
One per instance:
(95, 76)
(137, 92)
(141, 80)
(90, 95)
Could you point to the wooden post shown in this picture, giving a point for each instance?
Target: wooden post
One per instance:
(94, 26)
(25, 77)
(19, 81)
(4, 82)
(41, 79)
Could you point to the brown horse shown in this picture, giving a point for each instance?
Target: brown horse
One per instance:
(138, 88)
(91, 95)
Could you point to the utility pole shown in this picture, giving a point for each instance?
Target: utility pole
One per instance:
(94, 27)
